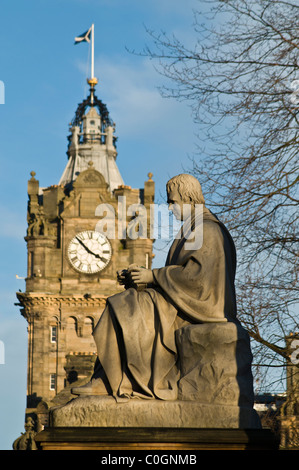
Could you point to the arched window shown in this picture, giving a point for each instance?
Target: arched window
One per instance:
(72, 324)
(88, 326)
(54, 330)
(52, 382)
(53, 334)
(71, 333)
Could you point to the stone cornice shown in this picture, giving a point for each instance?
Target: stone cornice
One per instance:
(30, 301)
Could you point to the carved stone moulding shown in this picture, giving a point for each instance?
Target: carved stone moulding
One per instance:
(35, 303)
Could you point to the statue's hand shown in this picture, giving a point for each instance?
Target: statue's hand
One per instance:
(140, 275)
(122, 276)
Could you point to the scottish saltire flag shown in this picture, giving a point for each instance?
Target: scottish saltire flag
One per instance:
(85, 37)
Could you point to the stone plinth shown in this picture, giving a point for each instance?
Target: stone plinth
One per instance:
(96, 411)
(148, 439)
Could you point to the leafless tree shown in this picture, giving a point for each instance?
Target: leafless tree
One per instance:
(241, 78)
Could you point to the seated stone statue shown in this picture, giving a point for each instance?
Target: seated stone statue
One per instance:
(137, 354)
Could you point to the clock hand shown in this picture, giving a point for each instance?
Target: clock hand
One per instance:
(89, 251)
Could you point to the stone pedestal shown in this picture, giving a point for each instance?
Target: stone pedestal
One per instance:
(96, 411)
(176, 441)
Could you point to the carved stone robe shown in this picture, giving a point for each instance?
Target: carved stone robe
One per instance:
(135, 335)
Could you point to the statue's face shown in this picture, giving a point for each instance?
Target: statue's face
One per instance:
(175, 203)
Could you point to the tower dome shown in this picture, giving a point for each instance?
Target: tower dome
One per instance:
(92, 139)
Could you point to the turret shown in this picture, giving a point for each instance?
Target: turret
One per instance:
(92, 126)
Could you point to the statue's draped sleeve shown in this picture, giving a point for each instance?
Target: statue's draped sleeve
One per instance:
(200, 283)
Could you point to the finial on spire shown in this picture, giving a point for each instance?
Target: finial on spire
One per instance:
(92, 82)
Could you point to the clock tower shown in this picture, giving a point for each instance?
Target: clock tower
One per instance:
(81, 231)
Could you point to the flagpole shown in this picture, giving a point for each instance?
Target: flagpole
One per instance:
(92, 80)
(92, 51)
(89, 37)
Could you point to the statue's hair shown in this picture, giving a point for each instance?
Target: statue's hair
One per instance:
(188, 187)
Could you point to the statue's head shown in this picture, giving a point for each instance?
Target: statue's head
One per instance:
(183, 189)
(188, 188)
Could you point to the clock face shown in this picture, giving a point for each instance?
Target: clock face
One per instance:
(89, 252)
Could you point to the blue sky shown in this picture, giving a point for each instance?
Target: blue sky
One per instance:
(44, 76)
